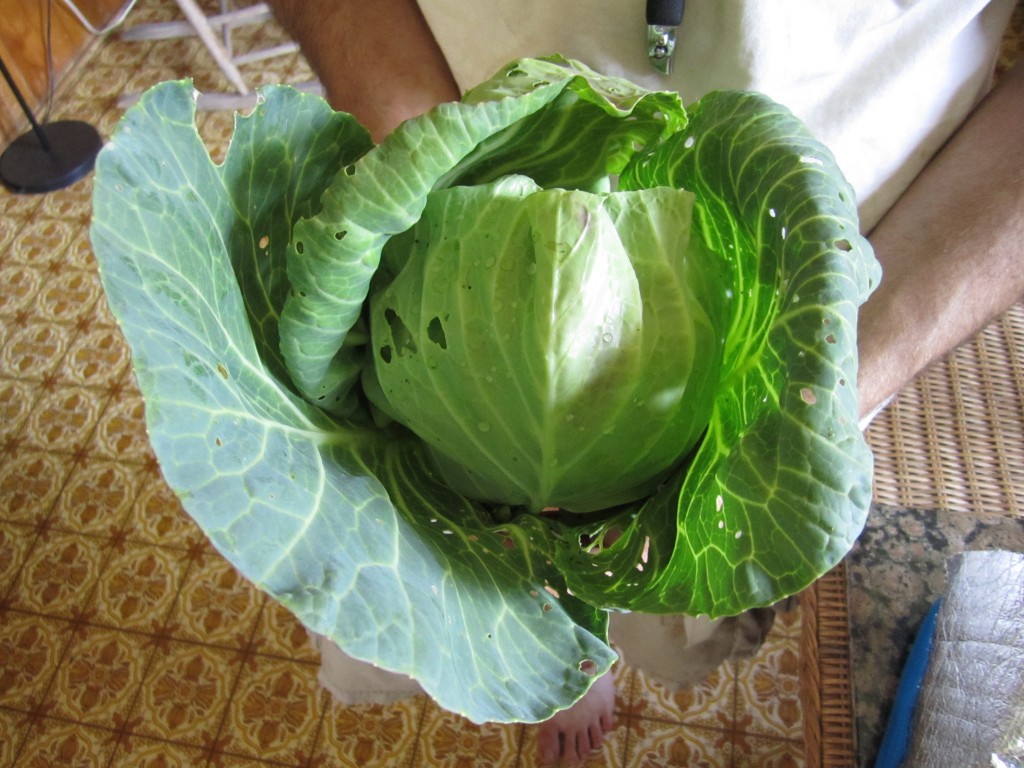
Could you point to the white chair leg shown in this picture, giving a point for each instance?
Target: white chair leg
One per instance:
(207, 29)
(165, 30)
(198, 20)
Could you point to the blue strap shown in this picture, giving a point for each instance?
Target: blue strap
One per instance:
(894, 745)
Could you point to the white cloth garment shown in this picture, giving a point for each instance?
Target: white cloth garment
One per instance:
(882, 83)
(677, 650)
(353, 682)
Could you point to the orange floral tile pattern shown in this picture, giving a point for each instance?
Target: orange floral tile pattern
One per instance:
(447, 740)
(54, 742)
(125, 639)
(98, 677)
(31, 649)
(276, 711)
(186, 693)
(372, 735)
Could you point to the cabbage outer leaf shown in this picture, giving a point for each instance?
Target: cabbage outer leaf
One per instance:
(311, 509)
(780, 487)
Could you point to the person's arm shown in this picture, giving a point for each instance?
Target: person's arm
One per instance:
(952, 248)
(377, 60)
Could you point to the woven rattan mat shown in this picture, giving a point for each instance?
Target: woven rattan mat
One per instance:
(954, 439)
(825, 677)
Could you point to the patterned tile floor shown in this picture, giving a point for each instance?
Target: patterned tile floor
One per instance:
(125, 639)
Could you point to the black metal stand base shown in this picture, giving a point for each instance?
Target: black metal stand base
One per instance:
(28, 166)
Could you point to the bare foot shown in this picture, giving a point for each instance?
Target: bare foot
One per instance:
(573, 734)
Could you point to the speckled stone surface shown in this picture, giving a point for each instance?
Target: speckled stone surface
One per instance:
(896, 570)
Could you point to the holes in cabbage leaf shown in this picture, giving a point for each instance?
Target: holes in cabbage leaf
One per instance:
(588, 667)
(844, 245)
(401, 337)
(403, 342)
(435, 332)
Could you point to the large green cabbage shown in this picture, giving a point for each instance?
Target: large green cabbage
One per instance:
(708, 333)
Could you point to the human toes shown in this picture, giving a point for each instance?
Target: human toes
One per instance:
(572, 735)
(565, 747)
(549, 745)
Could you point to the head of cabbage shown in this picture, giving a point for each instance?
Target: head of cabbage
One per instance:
(553, 348)
(408, 388)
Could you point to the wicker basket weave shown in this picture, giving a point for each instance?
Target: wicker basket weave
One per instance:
(954, 438)
(826, 678)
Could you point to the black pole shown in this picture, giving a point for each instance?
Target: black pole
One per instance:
(48, 157)
(36, 128)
